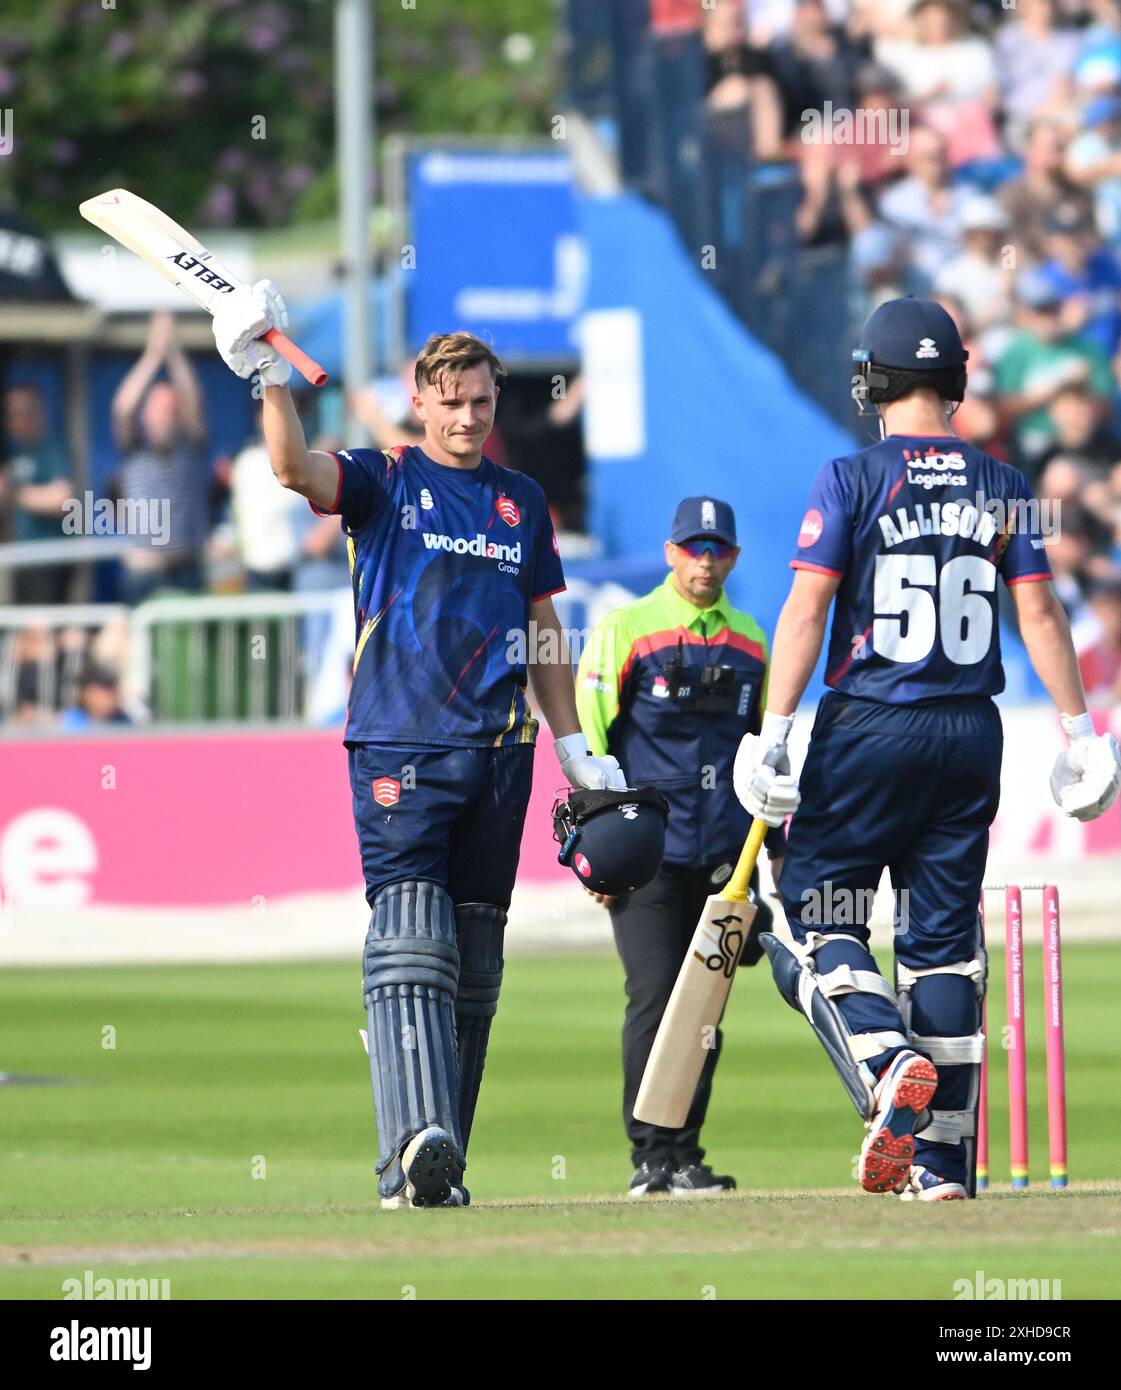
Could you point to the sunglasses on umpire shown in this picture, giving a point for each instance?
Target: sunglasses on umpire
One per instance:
(696, 548)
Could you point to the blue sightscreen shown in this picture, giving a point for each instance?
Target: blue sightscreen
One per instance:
(498, 252)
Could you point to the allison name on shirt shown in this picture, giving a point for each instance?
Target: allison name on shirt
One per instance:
(938, 519)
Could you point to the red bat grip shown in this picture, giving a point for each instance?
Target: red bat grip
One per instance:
(309, 370)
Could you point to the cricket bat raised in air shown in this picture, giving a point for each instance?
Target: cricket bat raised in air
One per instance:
(687, 1032)
(182, 259)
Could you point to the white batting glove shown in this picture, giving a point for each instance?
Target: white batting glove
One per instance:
(580, 769)
(1087, 775)
(761, 775)
(238, 325)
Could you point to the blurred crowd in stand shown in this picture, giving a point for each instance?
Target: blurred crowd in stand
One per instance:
(196, 522)
(970, 153)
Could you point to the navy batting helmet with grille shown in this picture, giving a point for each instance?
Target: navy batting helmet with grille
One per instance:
(908, 343)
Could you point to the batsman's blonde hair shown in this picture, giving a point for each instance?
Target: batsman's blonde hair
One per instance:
(452, 353)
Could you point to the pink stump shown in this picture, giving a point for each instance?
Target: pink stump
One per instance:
(1016, 1040)
(983, 1100)
(1053, 1025)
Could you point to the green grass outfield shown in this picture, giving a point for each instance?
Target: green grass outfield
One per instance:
(140, 1160)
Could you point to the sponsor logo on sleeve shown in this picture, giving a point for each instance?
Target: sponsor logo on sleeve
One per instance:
(812, 527)
(583, 868)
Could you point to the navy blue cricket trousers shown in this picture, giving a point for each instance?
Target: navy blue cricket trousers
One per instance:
(911, 788)
(453, 816)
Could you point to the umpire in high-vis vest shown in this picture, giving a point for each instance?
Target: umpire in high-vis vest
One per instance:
(669, 684)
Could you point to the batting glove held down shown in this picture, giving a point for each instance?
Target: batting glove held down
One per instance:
(761, 775)
(580, 769)
(238, 325)
(1087, 775)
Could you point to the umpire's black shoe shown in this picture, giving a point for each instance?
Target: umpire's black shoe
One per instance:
(653, 1176)
(698, 1180)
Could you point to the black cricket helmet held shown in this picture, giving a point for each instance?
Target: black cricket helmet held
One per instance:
(612, 841)
(908, 343)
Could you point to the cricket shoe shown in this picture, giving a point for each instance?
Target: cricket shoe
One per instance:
(922, 1185)
(651, 1178)
(457, 1197)
(698, 1180)
(399, 1201)
(902, 1093)
(433, 1170)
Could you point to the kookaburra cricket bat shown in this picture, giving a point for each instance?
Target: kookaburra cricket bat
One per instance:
(182, 259)
(687, 1032)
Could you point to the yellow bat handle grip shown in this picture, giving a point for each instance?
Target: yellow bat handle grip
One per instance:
(736, 890)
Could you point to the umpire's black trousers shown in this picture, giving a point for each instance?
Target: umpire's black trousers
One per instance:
(653, 928)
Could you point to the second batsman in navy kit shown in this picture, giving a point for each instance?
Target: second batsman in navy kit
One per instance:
(907, 540)
(454, 564)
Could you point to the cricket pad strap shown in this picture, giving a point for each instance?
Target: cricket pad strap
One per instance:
(802, 988)
(953, 1050)
(941, 1009)
(843, 979)
(950, 1126)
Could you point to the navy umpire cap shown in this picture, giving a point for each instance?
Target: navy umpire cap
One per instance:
(698, 517)
(913, 335)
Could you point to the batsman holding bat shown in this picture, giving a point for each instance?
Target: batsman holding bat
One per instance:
(451, 556)
(908, 539)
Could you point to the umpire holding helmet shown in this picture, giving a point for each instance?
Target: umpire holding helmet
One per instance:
(669, 685)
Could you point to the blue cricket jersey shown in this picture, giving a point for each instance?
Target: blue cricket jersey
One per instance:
(444, 564)
(918, 528)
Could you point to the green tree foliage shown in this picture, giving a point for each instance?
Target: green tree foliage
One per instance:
(222, 111)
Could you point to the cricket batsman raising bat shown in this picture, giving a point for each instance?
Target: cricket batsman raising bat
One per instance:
(449, 555)
(179, 257)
